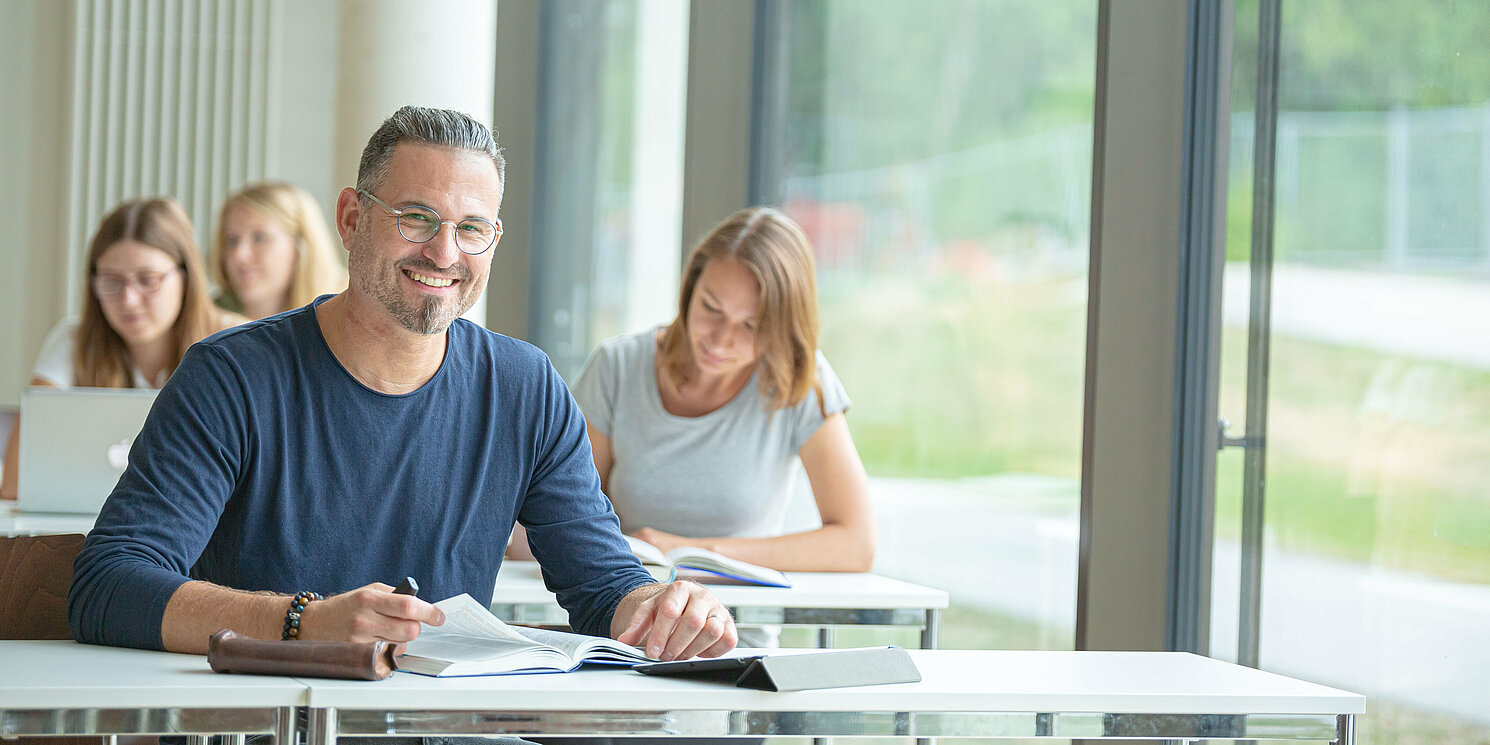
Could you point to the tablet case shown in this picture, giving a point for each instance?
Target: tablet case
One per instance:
(839, 668)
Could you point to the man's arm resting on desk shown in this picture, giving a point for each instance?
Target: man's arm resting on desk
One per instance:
(370, 613)
(677, 620)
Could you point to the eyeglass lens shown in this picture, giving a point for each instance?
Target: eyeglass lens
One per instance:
(473, 235)
(110, 285)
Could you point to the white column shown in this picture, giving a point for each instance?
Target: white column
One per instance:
(438, 53)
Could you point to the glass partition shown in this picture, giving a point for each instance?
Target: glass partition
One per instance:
(609, 200)
(1375, 544)
(941, 163)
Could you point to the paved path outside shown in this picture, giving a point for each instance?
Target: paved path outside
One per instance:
(1439, 318)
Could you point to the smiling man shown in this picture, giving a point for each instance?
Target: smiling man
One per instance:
(336, 448)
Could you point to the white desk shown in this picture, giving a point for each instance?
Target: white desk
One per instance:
(66, 688)
(817, 599)
(13, 522)
(999, 694)
(62, 688)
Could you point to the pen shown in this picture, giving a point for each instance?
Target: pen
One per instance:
(407, 587)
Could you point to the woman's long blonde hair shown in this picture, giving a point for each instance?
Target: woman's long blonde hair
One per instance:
(317, 271)
(779, 256)
(101, 357)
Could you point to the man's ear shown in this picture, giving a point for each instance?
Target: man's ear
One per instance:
(348, 211)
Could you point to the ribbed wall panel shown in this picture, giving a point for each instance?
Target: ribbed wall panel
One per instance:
(170, 97)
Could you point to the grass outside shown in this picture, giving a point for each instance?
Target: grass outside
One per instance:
(1372, 456)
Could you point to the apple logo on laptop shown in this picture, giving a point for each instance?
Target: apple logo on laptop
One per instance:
(119, 454)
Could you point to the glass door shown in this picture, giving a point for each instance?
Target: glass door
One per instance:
(1353, 484)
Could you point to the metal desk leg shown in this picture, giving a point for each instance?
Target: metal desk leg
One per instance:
(1345, 729)
(930, 638)
(284, 726)
(931, 634)
(824, 641)
(321, 727)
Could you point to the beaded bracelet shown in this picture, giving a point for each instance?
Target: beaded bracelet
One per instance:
(292, 617)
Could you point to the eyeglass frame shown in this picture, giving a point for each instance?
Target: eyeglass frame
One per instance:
(397, 213)
(127, 281)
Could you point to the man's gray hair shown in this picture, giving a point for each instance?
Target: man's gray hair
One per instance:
(440, 127)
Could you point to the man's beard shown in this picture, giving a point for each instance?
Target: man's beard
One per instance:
(434, 314)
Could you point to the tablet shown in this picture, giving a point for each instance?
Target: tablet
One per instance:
(725, 668)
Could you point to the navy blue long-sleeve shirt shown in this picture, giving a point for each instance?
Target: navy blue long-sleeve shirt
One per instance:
(265, 466)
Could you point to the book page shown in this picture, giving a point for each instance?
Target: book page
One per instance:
(648, 553)
(470, 633)
(462, 648)
(466, 617)
(580, 647)
(693, 557)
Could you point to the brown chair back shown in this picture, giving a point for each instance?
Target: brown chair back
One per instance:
(35, 574)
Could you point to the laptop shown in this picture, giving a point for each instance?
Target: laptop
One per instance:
(75, 444)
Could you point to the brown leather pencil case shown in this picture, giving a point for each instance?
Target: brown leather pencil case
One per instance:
(228, 652)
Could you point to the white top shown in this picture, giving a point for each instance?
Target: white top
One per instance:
(64, 674)
(983, 681)
(54, 362)
(521, 582)
(724, 473)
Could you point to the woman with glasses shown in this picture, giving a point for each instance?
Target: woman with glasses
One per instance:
(272, 251)
(146, 302)
(696, 426)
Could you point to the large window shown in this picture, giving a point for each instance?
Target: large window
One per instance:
(941, 162)
(1376, 499)
(610, 162)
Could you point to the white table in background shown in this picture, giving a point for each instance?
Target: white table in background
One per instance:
(13, 522)
(988, 694)
(66, 688)
(821, 600)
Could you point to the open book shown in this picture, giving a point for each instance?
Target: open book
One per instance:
(700, 565)
(474, 642)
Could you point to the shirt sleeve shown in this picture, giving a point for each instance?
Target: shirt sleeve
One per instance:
(572, 529)
(155, 524)
(54, 362)
(835, 400)
(597, 386)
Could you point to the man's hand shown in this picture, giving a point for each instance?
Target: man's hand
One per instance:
(368, 613)
(677, 621)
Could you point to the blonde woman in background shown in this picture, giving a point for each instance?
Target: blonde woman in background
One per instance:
(695, 426)
(146, 301)
(272, 251)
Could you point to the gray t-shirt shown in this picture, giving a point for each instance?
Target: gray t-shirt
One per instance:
(726, 473)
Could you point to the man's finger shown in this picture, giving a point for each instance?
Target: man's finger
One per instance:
(406, 607)
(669, 605)
(716, 624)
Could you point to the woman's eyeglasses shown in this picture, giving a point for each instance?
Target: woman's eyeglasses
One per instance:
(114, 285)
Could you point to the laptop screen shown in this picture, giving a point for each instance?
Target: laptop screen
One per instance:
(75, 443)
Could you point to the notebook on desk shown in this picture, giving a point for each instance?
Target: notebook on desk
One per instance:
(75, 444)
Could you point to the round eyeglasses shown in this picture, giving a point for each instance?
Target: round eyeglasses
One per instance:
(114, 285)
(473, 235)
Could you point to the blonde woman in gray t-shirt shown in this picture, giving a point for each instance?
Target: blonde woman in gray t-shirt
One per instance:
(696, 425)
